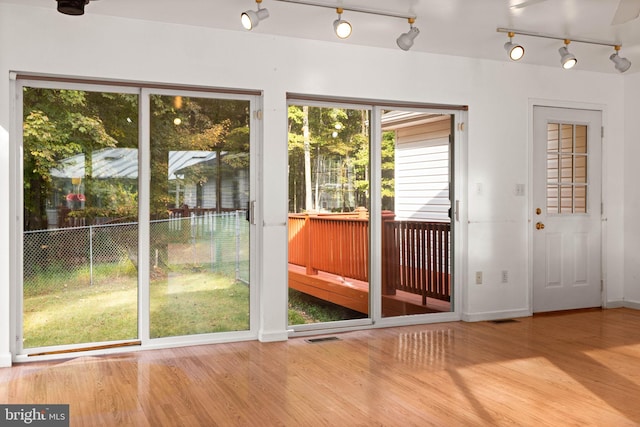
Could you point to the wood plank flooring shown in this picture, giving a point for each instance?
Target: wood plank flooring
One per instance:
(565, 369)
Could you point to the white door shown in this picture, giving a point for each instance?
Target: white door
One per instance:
(567, 167)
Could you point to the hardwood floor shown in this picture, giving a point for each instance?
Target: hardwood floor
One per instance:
(572, 368)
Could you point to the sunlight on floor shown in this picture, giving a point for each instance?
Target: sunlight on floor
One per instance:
(490, 386)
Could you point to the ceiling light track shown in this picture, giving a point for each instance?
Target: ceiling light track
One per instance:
(567, 59)
(554, 37)
(351, 8)
(341, 27)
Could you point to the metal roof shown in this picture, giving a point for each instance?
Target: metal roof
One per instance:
(123, 163)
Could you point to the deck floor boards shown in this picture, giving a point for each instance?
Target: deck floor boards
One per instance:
(354, 294)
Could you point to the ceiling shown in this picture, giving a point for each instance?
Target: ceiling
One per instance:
(452, 27)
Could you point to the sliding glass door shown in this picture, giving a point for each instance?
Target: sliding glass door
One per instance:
(80, 204)
(416, 237)
(329, 207)
(136, 225)
(199, 231)
(370, 202)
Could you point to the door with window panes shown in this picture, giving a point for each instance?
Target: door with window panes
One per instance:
(567, 209)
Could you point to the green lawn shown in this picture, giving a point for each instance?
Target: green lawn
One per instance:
(182, 304)
(198, 303)
(305, 309)
(66, 311)
(72, 314)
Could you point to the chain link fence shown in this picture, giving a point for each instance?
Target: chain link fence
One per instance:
(89, 255)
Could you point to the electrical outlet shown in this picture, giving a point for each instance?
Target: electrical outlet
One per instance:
(478, 277)
(505, 276)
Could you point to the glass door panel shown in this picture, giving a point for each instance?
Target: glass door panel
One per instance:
(80, 200)
(416, 223)
(199, 231)
(328, 214)
(567, 168)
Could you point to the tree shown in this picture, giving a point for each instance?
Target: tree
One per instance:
(338, 139)
(196, 124)
(58, 124)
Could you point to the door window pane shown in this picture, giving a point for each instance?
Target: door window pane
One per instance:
(566, 137)
(553, 137)
(580, 169)
(567, 168)
(80, 217)
(199, 234)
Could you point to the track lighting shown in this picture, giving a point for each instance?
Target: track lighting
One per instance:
(567, 59)
(340, 26)
(515, 51)
(622, 64)
(405, 41)
(250, 19)
(72, 7)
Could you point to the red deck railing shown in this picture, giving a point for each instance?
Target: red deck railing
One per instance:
(416, 259)
(415, 253)
(335, 243)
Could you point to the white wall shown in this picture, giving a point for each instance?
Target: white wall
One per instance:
(631, 179)
(40, 40)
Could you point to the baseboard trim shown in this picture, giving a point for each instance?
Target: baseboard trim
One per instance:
(495, 315)
(5, 360)
(614, 304)
(632, 304)
(273, 336)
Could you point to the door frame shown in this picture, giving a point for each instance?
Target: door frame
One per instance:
(458, 166)
(534, 102)
(143, 90)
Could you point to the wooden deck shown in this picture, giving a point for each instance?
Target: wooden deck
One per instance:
(354, 294)
(329, 259)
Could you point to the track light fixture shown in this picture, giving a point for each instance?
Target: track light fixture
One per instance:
(405, 41)
(621, 64)
(72, 7)
(250, 19)
(567, 59)
(340, 26)
(515, 51)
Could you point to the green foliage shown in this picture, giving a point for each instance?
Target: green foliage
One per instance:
(206, 124)
(58, 124)
(339, 136)
(119, 199)
(305, 309)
